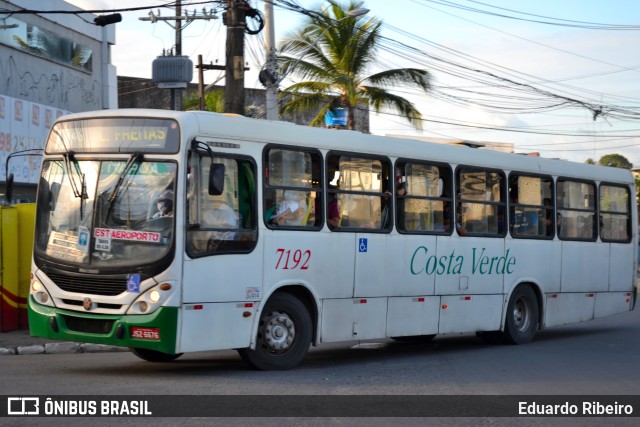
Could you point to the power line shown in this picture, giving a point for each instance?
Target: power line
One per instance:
(491, 79)
(547, 20)
(508, 129)
(76, 12)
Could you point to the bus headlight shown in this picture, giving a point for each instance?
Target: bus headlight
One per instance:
(151, 300)
(154, 296)
(40, 293)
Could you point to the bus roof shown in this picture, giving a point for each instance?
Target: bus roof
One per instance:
(235, 127)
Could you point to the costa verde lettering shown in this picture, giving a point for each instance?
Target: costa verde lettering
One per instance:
(430, 264)
(424, 262)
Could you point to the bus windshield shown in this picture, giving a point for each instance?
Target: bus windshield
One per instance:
(113, 213)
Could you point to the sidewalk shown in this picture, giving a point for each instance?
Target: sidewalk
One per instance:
(20, 342)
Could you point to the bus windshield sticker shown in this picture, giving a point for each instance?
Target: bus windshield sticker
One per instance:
(134, 236)
(65, 246)
(83, 238)
(103, 244)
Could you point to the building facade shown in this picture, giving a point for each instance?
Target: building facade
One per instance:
(50, 64)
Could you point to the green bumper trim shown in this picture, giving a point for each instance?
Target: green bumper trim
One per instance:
(53, 323)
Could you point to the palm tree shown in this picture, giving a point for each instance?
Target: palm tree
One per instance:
(331, 53)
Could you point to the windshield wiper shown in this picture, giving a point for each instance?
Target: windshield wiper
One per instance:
(83, 196)
(81, 192)
(69, 159)
(134, 159)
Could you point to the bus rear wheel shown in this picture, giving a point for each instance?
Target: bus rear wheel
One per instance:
(284, 335)
(154, 355)
(521, 323)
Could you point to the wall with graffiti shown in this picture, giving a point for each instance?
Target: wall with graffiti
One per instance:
(24, 125)
(48, 67)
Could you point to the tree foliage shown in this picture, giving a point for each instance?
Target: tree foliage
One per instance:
(213, 101)
(332, 54)
(615, 160)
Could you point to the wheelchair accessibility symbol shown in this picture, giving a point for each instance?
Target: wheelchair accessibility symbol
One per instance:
(133, 283)
(362, 245)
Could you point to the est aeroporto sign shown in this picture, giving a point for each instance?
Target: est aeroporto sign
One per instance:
(478, 261)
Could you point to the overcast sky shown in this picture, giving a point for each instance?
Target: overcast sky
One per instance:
(553, 51)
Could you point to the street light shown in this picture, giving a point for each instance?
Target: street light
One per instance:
(269, 76)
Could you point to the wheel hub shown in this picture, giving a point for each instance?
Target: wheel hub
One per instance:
(521, 315)
(279, 332)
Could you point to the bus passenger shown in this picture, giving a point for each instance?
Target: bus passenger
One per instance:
(290, 211)
(462, 231)
(333, 212)
(221, 216)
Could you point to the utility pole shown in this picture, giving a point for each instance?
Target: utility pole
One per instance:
(201, 68)
(234, 75)
(200, 84)
(178, 28)
(181, 22)
(176, 95)
(271, 101)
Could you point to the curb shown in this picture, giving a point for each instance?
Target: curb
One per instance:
(61, 348)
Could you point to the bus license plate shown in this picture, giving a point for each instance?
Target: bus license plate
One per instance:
(145, 333)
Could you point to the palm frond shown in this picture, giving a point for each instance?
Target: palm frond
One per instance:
(305, 102)
(380, 98)
(330, 55)
(402, 76)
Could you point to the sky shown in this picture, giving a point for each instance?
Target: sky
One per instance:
(558, 63)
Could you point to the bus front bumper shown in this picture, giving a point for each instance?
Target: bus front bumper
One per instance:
(154, 331)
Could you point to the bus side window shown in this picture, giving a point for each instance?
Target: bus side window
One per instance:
(481, 203)
(530, 206)
(292, 188)
(615, 213)
(221, 223)
(576, 204)
(423, 197)
(359, 192)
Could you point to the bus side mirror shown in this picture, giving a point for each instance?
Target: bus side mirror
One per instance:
(216, 179)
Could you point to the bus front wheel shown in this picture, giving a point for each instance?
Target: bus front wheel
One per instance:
(284, 335)
(521, 323)
(154, 356)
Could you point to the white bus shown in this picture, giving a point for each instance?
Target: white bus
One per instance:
(172, 232)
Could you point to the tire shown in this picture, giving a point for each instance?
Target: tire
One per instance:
(415, 338)
(284, 335)
(154, 356)
(521, 322)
